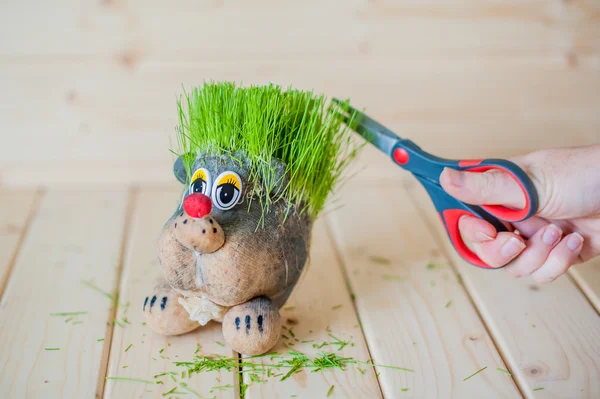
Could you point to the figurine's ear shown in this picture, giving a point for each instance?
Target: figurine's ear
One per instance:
(179, 170)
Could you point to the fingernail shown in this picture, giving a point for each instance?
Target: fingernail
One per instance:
(456, 178)
(511, 247)
(551, 234)
(574, 241)
(483, 236)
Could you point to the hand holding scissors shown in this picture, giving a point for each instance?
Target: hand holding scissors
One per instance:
(427, 168)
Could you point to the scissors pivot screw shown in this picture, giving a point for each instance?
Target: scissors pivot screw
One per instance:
(401, 156)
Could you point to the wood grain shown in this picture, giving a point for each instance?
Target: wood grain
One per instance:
(319, 306)
(414, 312)
(99, 123)
(75, 236)
(151, 354)
(548, 334)
(196, 30)
(15, 213)
(464, 79)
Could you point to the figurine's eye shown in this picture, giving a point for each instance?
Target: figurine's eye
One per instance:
(201, 182)
(227, 190)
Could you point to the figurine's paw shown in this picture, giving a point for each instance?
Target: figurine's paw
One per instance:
(164, 314)
(252, 328)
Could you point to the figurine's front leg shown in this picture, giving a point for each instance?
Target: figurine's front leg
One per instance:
(253, 327)
(164, 314)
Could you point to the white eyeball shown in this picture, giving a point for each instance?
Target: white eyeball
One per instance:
(201, 182)
(227, 190)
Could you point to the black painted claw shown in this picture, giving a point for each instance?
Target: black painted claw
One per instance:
(260, 324)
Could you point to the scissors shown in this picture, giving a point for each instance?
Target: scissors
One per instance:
(427, 169)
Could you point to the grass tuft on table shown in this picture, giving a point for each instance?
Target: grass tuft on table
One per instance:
(265, 123)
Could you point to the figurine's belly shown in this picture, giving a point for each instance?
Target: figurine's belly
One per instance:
(230, 278)
(266, 262)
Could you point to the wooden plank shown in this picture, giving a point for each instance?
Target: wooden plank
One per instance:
(414, 312)
(150, 353)
(320, 305)
(75, 236)
(340, 29)
(16, 212)
(549, 334)
(99, 112)
(587, 276)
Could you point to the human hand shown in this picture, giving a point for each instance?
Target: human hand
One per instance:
(566, 228)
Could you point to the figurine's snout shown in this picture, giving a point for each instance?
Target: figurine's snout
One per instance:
(197, 205)
(195, 228)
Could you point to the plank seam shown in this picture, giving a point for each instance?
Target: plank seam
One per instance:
(575, 280)
(238, 378)
(341, 264)
(38, 195)
(442, 249)
(105, 359)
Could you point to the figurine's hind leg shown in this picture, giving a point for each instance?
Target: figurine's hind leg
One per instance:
(164, 314)
(252, 328)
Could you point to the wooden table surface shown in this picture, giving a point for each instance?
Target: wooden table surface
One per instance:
(382, 277)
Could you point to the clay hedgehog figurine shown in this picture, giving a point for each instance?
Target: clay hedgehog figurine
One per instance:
(258, 164)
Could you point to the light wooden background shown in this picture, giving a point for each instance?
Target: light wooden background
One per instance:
(87, 107)
(87, 88)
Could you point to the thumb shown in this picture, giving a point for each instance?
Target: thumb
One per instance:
(492, 187)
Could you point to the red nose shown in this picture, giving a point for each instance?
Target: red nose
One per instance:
(197, 205)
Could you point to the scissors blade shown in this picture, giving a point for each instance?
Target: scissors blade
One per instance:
(371, 130)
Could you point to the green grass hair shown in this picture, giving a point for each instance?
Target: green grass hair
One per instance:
(299, 128)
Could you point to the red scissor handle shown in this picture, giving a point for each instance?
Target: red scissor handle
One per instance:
(408, 155)
(518, 175)
(450, 217)
(451, 210)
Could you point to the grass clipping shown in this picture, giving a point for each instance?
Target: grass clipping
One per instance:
(266, 123)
